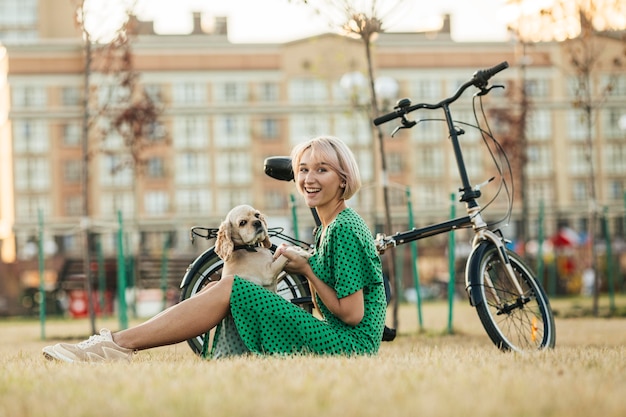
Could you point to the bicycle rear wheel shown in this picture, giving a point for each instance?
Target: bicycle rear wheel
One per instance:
(513, 322)
(207, 268)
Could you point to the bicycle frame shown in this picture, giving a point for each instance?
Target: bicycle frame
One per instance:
(469, 194)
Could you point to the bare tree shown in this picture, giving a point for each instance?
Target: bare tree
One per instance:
(363, 20)
(584, 27)
(127, 109)
(86, 125)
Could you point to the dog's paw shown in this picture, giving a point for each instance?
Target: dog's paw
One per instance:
(298, 251)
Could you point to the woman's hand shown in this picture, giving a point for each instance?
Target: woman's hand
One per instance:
(298, 259)
(349, 309)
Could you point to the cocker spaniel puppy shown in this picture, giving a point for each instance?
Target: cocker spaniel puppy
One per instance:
(243, 244)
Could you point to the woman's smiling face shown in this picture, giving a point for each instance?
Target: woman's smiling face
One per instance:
(320, 184)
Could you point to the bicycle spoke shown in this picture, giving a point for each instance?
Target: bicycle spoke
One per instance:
(513, 321)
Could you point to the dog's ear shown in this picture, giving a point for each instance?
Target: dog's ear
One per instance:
(266, 242)
(224, 243)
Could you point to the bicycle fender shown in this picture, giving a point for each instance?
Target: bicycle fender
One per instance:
(473, 263)
(200, 259)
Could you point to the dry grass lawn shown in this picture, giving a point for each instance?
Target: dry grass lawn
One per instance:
(427, 373)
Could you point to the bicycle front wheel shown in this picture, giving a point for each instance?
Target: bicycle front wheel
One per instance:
(512, 321)
(208, 267)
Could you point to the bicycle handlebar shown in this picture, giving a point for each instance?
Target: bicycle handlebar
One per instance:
(479, 80)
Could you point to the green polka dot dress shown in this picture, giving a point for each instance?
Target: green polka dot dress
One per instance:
(262, 322)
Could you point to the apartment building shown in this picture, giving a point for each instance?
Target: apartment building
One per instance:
(229, 106)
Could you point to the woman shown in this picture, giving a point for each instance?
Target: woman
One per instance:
(344, 274)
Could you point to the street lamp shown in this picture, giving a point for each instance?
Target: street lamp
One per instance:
(386, 90)
(355, 85)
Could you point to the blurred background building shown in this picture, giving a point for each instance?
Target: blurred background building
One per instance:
(229, 106)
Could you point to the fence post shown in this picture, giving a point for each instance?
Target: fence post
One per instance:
(609, 260)
(540, 238)
(294, 216)
(101, 277)
(451, 266)
(121, 274)
(42, 284)
(415, 269)
(164, 268)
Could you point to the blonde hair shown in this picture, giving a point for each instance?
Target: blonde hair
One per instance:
(338, 157)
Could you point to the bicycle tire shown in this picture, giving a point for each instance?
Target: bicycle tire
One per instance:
(512, 323)
(207, 268)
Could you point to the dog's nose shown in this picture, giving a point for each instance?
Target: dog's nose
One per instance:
(257, 223)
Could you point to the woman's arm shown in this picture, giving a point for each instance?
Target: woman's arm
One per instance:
(349, 309)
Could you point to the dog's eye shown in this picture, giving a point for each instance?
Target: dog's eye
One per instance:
(242, 223)
(257, 215)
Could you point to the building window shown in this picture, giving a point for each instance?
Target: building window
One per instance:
(365, 162)
(303, 127)
(540, 191)
(307, 90)
(614, 161)
(30, 137)
(231, 92)
(353, 128)
(578, 164)
(154, 131)
(188, 93)
(396, 197)
(614, 123)
(190, 133)
(154, 92)
(426, 90)
(72, 134)
(113, 202)
(269, 128)
(233, 168)
(537, 87)
(29, 96)
(539, 125)
(472, 156)
(231, 197)
(232, 131)
(428, 131)
(70, 96)
(617, 83)
(113, 142)
(579, 191)
(395, 163)
(192, 169)
(72, 171)
(32, 174)
(268, 92)
(193, 201)
(577, 127)
(464, 120)
(615, 190)
(73, 205)
(539, 161)
(27, 208)
(275, 200)
(113, 172)
(112, 95)
(155, 168)
(156, 202)
(428, 196)
(430, 162)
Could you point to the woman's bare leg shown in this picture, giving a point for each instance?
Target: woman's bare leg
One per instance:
(182, 321)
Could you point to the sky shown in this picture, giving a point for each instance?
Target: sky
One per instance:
(252, 21)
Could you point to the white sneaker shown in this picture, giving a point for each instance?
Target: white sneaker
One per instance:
(98, 348)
